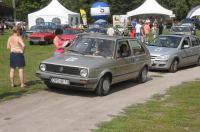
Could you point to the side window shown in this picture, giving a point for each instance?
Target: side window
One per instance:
(123, 49)
(39, 21)
(136, 47)
(185, 43)
(56, 20)
(195, 41)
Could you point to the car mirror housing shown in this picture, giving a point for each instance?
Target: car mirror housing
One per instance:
(186, 46)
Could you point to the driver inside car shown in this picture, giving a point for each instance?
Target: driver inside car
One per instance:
(124, 51)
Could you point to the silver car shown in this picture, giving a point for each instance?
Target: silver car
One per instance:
(170, 52)
(95, 62)
(181, 30)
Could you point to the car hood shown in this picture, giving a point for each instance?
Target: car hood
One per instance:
(68, 37)
(76, 60)
(158, 51)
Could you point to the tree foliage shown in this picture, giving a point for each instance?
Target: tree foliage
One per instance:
(179, 7)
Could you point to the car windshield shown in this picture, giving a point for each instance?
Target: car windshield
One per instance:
(93, 46)
(166, 41)
(71, 31)
(180, 29)
(44, 30)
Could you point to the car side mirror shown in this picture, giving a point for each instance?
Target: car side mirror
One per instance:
(186, 46)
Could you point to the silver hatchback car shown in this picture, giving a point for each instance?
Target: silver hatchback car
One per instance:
(95, 62)
(170, 52)
(181, 30)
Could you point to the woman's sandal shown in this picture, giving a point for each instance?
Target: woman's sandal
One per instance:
(12, 85)
(23, 86)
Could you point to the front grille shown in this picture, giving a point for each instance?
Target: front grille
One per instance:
(35, 38)
(63, 69)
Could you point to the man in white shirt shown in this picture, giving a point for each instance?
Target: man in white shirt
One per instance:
(138, 28)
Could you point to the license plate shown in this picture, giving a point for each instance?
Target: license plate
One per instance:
(59, 81)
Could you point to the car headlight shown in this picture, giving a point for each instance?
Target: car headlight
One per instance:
(42, 67)
(84, 72)
(163, 57)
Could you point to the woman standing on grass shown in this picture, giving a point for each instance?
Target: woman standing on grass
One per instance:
(16, 46)
(59, 43)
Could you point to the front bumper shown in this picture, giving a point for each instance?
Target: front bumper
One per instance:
(160, 64)
(36, 41)
(74, 81)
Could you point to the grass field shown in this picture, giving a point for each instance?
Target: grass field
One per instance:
(176, 111)
(34, 54)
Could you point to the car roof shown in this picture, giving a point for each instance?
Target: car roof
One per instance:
(176, 35)
(179, 35)
(181, 26)
(100, 36)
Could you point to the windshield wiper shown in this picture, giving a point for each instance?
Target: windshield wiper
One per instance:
(75, 51)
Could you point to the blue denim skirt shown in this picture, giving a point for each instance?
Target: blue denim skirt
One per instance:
(17, 60)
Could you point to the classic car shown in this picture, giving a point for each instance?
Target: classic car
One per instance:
(95, 62)
(181, 30)
(42, 35)
(170, 52)
(70, 33)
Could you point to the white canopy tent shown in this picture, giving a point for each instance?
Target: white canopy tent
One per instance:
(150, 7)
(54, 12)
(194, 12)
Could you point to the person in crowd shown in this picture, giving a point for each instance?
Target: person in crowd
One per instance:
(16, 46)
(59, 43)
(110, 31)
(155, 21)
(24, 35)
(132, 33)
(147, 30)
(133, 23)
(138, 29)
(160, 27)
(142, 32)
(20, 28)
(154, 30)
(1, 27)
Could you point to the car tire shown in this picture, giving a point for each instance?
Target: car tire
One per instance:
(103, 87)
(174, 66)
(31, 43)
(142, 78)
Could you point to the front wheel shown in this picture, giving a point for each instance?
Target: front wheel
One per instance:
(103, 87)
(143, 75)
(174, 66)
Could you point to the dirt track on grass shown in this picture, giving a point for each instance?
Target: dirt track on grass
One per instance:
(76, 111)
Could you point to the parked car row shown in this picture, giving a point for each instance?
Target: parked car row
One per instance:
(94, 62)
(45, 34)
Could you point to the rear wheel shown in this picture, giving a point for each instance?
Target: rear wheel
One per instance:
(174, 66)
(31, 43)
(143, 75)
(103, 88)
